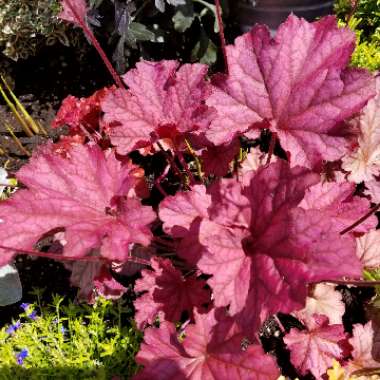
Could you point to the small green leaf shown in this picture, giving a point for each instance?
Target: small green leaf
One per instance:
(141, 33)
(184, 17)
(205, 51)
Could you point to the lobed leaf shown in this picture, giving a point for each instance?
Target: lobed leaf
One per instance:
(88, 193)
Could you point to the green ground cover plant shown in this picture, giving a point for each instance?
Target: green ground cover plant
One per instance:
(69, 341)
(363, 17)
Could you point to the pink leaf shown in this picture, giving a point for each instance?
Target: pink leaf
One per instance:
(84, 112)
(161, 102)
(82, 276)
(337, 201)
(368, 249)
(169, 293)
(324, 300)
(93, 279)
(298, 82)
(72, 9)
(315, 349)
(362, 341)
(217, 159)
(255, 158)
(262, 249)
(373, 190)
(89, 194)
(364, 162)
(181, 215)
(107, 287)
(210, 350)
(182, 209)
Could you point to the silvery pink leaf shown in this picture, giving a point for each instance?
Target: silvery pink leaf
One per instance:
(161, 102)
(362, 342)
(262, 248)
(72, 10)
(324, 300)
(297, 81)
(368, 249)
(314, 349)
(211, 350)
(363, 163)
(87, 193)
(337, 200)
(168, 294)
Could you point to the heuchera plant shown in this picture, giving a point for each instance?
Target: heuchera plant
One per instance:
(223, 253)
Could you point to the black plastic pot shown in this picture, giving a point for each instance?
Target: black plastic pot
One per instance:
(274, 12)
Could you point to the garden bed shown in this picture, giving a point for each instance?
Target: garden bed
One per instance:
(134, 185)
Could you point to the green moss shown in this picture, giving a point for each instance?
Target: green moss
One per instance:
(25, 25)
(71, 342)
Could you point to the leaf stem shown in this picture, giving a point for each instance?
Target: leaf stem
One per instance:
(221, 32)
(359, 283)
(96, 45)
(196, 159)
(361, 220)
(186, 167)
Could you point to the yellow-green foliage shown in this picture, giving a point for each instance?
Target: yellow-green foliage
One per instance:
(367, 55)
(365, 21)
(26, 24)
(70, 342)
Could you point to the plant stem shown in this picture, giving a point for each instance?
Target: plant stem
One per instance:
(170, 160)
(186, 167)
(221, 32)
(196, 159)
(351, 282)
(87, 31)
(361, 220)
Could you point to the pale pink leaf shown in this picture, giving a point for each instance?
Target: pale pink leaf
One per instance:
(188, 247)
(325, 300)
(254, 159)
(337, 200)
(298, 81)
(362, 342)
(228, 203)
(181, 215)
(87, 193)
(168, 294)
(72, 10)
(211, 350)
(368, 249)
(330, 255)
(373, 190)
(315, 349)
(363, 163)
(160, 102)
